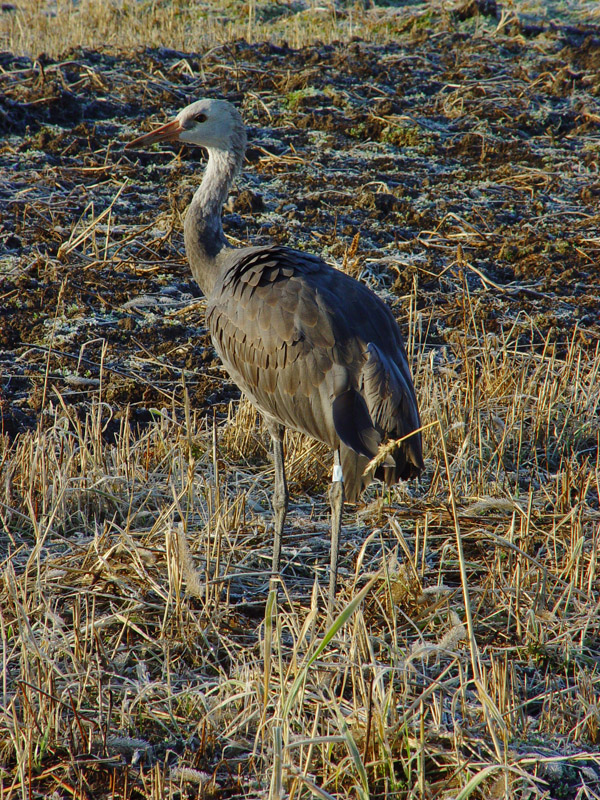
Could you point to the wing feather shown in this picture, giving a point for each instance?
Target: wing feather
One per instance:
(317, 351)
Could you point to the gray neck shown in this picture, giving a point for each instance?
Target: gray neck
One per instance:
(204, 238)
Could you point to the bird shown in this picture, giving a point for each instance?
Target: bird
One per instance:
(312, 348)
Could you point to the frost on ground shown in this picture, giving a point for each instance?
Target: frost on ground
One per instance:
(455, 170)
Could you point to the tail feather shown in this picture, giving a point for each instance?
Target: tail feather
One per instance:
(355, 479)
(353, 467)
(353, 423)
(384, 407)
(392, 404)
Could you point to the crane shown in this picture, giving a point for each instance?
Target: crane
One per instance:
(312, 348)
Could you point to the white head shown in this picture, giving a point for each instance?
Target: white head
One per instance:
(214, 124)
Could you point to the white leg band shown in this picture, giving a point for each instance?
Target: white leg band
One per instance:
(338, 475)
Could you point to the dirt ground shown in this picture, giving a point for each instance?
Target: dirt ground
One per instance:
(443, 140)
(456, 170)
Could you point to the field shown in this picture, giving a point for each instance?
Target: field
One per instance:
(447, 154)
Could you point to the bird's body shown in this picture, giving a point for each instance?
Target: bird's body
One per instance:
(316, 351)
(312, 348)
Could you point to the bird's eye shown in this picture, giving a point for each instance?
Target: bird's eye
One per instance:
(200, 118)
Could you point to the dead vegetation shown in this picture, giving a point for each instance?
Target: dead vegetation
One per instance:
(454, 168)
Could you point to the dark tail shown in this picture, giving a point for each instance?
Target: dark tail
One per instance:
(384, 408)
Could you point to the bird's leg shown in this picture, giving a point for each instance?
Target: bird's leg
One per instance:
(336, 500)
(280, 498)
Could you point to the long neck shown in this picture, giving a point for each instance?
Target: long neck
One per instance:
(204, 238)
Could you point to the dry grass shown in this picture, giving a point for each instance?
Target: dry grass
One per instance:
(52, 27)
(141, 654)
(105, 656)
(37, 26)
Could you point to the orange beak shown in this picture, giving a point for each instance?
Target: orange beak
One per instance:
(166, 133)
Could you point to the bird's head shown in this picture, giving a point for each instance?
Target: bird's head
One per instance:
(214, 124)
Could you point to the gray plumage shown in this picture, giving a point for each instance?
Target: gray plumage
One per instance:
(313, 349)
(318, 352)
